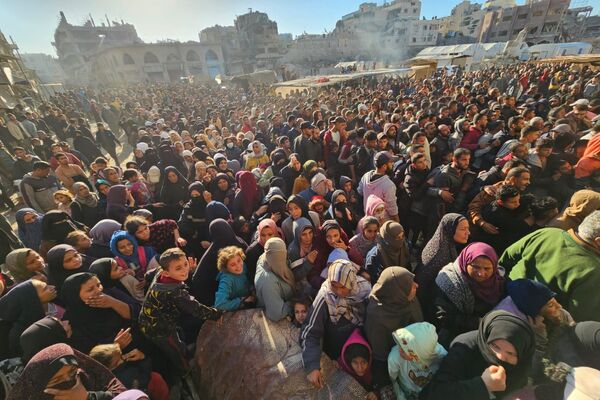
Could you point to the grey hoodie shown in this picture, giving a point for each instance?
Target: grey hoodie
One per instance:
(38, 193)
(382, 187)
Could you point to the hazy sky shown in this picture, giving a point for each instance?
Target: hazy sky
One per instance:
(31, 23)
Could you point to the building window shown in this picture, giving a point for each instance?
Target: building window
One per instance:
(538, 13)
(507, 18)
(522, 16)
(516, 31)
(273, 50)
(533, 30)
(493, 34)
(211, 56)
(502, 33)
(127, 60)
(414, 40)
(150, 58)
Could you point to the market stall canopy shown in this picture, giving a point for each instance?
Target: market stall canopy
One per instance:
(285, 88)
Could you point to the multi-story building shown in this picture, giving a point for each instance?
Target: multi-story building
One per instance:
(46, 67)
(77, 44)
(18, 84)
(543, 20)
(252, 44)
(156, 62)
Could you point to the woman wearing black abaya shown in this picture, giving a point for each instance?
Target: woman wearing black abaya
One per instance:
(168, 158)
(56, 225)
(493, 360)
(192, 221)
(43, 333)
(173, 192)
(223, 189)
(96, 318)
(204, 282)
(63, 261)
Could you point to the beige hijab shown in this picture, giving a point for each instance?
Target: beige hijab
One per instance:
(583, 203)
(276, 261)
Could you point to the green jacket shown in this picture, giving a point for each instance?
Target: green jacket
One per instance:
(563, 262)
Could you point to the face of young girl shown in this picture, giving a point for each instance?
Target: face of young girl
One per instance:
(83, 191)
(551, 310)
(104, 189)
(461, 234)
(332, 236)
(143, 232)
(115, 272)
(71, 260)
(295, 211)
(125, 247)
(300, 312)
(347, 186)
(370, 232)
(266, 234)
(34, 262)
(360, 366)
(223, 184)
(46, 293)
(235, 265)
(90, 288)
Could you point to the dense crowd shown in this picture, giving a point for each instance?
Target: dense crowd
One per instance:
(439, 238)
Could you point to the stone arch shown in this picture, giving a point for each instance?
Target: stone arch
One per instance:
(127, 59)
(150, 58)
(192, 56)
(173, 58)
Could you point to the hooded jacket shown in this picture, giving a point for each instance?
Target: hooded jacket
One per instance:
(380, 186)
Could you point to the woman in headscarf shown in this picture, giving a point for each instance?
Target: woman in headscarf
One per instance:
(391, 250)
(59, 370)
(302, 251)
(56, 225)
(274, 280)
(366, 235)
(85, 206)
(582, 203)
(63, 261)
(96, 317)
(330, 236)
(256, 156)
(216, 209)
(222, 166)
(119, 203)
(204, 283)
(247, 197)
(173, 192)
(102, 187)
(200, 171)
(414, 359)
(267, 229)
(223, 190)
(451, 234)
(115, 280)
(297, 208)
(43, 333)
(356, 359)
(392, 305)
(24, 264)
(169, 158)
(375, 207)
(467, 289)
(29, 224)
(20, 307)
(100, 235)
(493, 360)
(302, 182)
(340, 211)
(192, 221)
(337, 310)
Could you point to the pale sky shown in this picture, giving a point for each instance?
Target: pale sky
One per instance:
(31, 23)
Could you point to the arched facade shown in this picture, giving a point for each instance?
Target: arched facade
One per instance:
(150, 58)
(127, 59)
(192, 56)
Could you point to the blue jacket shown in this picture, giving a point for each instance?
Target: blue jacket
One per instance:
(231, 290)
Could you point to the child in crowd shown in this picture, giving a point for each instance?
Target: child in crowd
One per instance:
(131, 256)
(301, 307)
(356, 360)
(234, 291)
(414, 360)
(63, 199)
(79, 240)
(133, 369)
(166, 300)
(137, 187)
(351, 194)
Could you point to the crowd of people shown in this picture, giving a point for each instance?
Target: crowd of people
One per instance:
(439, 238)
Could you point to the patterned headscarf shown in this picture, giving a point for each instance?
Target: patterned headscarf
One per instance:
(353, 306)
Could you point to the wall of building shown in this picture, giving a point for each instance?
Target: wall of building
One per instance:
(46, 67)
